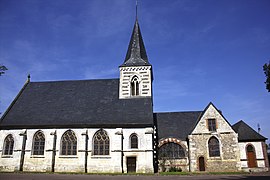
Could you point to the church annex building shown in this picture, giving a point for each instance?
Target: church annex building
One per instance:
(109, 125)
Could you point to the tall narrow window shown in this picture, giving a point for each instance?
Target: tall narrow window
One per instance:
(213, 146)
(212, 126)
(101, 143)
(135, 86)
(8, 145)
(38, 143)
(171, 151)
(69, 143)
(133, 141)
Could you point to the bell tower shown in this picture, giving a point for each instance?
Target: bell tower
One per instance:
(136, 72)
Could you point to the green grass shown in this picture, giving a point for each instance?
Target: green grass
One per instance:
(140, 174)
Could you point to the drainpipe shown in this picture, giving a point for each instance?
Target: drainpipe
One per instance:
(54, 149)
(122, 153)
(24, 134)
(189, 160)
(86, 150)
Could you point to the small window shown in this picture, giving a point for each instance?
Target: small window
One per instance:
(8, 145)
(69, 143)
(133, 141)
(135, 86)
(171, 151)
(213, 146)
(212, 126)
(38, 143)
(101, 143)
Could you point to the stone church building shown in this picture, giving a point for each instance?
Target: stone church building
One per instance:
(108, 125)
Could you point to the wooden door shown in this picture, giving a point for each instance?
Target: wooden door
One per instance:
(131, 164)
(251, 157)
(201, 164)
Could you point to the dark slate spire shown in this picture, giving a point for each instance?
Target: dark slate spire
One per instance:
(136, 53)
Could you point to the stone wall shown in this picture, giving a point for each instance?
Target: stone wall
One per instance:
(182, 163)
(76, 163)
(229, 159)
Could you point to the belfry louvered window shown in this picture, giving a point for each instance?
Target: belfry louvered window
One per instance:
(213, 146)
(135, 86)
(171, 150)
(69, 143)
(133, 141)
(38, 143)
(101, 143)
(8, 145)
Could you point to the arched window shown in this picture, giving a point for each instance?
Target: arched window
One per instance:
(101, 143)
(171, 150)
(38, 143)
(133, 141)
(213, 146)
(135, 86)
(8, 145)
(69, 143)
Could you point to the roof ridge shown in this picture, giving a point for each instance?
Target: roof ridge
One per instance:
(178, 112)
(80, 80)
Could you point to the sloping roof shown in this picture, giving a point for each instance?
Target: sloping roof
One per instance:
(136, 53)
(176, 124)
(84, 103)
(246, 133)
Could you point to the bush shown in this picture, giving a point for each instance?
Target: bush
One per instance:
(175, 169)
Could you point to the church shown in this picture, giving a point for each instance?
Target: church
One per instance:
(109, 126)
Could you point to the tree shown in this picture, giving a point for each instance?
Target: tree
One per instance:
(266, 69)
(2, 69)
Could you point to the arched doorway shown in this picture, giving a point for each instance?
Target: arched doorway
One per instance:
(251, 156)
(201, 164)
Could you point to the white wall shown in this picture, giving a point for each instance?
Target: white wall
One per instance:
(76, 163)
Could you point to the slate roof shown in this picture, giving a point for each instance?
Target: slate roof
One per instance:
(84, 103)
(246, 133)
(136, 53)
(176, 124)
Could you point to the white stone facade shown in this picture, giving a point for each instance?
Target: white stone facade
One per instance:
(145, 81)
(259, 153)
(76, 163)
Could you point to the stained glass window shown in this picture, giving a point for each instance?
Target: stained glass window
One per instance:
(38, 143)
(171, 150)
(133, 141)
(101, 143)
(213, 146)
(8, 145)
(69, 143)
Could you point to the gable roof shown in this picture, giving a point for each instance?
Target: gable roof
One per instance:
(203, 112)
(176, 124)
(84, 103)
(246, 133)
(136, 53)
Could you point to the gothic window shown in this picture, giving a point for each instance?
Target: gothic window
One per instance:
(135, 86)
(8, 145)
(101, 143)
(212, 126)
(69, 143)
(133, 141)
(213, 146)
(171, 151)
(38, 143)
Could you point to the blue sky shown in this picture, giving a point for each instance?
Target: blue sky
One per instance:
(201, 51)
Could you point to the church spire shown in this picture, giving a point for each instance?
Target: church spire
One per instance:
(136, 53)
